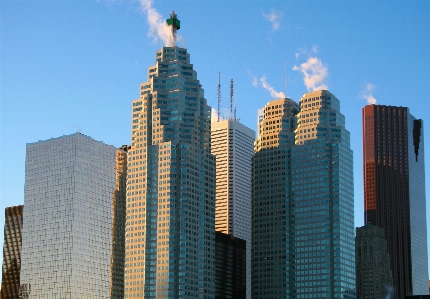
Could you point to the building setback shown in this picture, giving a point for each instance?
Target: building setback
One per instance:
(373, 271)
(394, 192)
(233, 147)
(11, 252)
(302, 209)
(71, 185)
(170, 229)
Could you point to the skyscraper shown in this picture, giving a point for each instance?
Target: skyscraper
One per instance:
(230, 267)
(374, 275)
(12, 252)
(72, 186)
(170, 229)
(302, 209)
(394, 191)
(233, 147)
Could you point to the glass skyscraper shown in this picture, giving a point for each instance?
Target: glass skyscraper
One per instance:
(71, 185)
(394, 191)
(303, 207)
(170, 229)
(11, 252)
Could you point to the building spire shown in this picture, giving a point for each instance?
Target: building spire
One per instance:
(175, 24)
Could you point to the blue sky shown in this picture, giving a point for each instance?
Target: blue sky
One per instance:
(70, 66)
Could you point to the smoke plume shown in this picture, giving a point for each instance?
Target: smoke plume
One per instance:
(158, 28)
(314, 72)
(367, 93)
(272, 91)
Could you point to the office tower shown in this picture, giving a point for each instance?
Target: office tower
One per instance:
(72, 186)
(233, 147)
(118, 225)
(170, 229)
(302, 209)
(394, 191)
(230, 267)
(373, 271)
(11, 252)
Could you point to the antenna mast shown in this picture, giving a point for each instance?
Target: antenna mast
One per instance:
(175, 24)
(231, 98)
(285, 78)
(219, 94)
(235, 107)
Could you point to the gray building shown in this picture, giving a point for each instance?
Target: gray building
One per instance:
(303, 207)
(71, 183)
(373, 270)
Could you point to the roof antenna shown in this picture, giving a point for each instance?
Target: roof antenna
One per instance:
(231, 98)
(219, 95)
(175, 24)
(285, 78)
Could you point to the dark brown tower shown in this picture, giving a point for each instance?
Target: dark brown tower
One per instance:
(12, 252)
(394, 193)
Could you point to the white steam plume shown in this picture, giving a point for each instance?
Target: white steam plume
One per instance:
(314, 72)
(367, 93)
(158, 28)
(253, 78)
(273, 17)
(272, 91)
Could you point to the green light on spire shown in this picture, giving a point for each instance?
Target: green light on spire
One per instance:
(174, 21)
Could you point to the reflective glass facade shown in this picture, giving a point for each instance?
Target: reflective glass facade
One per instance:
(69, 185)
(12, 252)
(394, 191)
(303, 219)
(170, 228)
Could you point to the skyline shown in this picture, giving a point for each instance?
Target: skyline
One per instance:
(70, 67)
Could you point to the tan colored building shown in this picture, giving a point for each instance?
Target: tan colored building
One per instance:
(170, 228)
(232, 145)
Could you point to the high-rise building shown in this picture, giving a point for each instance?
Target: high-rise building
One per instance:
(373, 271)
(230, 267)
(394, 191)
(11, 252)
(170, 229)
(233, 147)
(73, 184)
(303, 208)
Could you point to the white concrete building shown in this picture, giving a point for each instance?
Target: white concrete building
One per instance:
(233, 147)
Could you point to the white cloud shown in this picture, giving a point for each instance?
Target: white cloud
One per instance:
(158, 28)
(274, 17)
(272, 91)
(367, 93)
(314, 72)
(253, 78)
(214, 115)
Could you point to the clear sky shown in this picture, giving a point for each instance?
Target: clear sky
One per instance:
(70, 66)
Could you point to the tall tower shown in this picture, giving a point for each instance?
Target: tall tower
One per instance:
(232, 145)
(374, 276)
(302, 209)
(394, 191)
(170, 229)
(12, 252)
(70, 188)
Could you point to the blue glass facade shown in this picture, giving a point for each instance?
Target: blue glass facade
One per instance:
(170, 228)
(310, 253)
